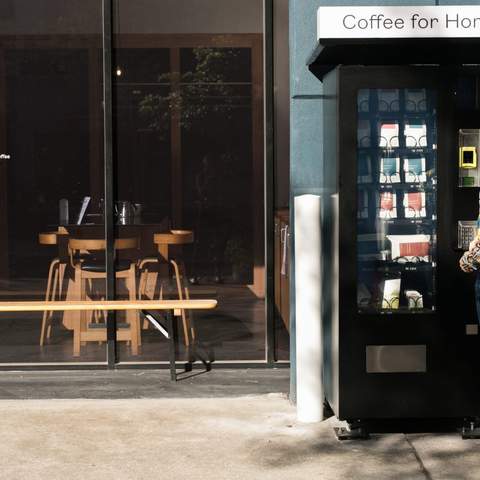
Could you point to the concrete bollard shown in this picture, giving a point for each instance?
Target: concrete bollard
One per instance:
(308, 308)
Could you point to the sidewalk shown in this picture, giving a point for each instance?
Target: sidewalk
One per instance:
(223, 425)
(223, 438)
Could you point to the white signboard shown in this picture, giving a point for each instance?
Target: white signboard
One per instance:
(399, 22)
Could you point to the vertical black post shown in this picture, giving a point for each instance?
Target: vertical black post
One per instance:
(172, 344)
(108, 177)
(269, 181)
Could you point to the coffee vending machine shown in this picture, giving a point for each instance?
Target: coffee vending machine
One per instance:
(401, 145)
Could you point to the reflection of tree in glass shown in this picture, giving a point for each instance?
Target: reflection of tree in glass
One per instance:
(211, 103)
(196, 94)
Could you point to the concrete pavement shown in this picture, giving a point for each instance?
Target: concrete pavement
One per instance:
(228, 438)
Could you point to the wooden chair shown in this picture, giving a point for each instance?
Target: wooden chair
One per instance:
(88, 268)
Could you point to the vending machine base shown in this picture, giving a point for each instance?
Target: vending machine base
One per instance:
(354, 431)
(471, 429)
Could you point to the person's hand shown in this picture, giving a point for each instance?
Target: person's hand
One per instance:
(466, 268)
(465, 265)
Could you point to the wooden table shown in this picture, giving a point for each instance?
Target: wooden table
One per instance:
(172, 307)
(149, 241)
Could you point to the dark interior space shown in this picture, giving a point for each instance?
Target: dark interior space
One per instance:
(48, 129)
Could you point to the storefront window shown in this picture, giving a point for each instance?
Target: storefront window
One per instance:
(51, 166)
(188, 175)
(189, 160)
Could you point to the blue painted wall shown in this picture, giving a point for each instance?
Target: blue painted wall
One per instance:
(306, 137)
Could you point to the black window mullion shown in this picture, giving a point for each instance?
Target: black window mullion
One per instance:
(269, 183)
(107, 39)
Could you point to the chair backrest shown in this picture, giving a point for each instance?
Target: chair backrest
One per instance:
(47, 238)
(90, 244)
(126, 243)
(86, 245)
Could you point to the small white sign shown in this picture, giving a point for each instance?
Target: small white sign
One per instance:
(399, 22)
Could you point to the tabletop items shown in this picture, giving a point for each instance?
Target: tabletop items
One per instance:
(126, 212)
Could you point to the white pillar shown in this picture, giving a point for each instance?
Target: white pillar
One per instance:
(308, 308)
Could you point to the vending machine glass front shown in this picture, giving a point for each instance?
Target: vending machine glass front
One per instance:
(396, 200)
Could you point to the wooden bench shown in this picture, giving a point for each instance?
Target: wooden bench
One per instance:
(173, 309)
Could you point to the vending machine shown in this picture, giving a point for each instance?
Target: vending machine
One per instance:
(400, 326)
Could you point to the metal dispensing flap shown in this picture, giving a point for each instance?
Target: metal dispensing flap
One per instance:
(396, 358)
(333, 52)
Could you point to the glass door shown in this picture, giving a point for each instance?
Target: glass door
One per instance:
(396, 200)
(51, 176)
(189, 169)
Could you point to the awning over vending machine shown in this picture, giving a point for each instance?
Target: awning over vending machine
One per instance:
(332, 52)
(396, 35)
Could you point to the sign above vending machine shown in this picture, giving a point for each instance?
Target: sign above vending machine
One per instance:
(459, 21)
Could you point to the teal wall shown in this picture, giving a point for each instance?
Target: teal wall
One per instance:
(306, 130)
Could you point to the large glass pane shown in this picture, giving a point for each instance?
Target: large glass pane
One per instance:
(51, 164)
(189, 166)
(396, 200)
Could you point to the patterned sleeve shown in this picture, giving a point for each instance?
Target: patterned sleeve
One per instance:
(471, 258)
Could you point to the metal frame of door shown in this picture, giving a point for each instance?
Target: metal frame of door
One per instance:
(268, 183)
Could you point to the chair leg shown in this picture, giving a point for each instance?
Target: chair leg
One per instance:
(132, 315)
(142, 283)
(147, 284)
(141, 292)
(52, 299)
(135, 313)
(186, 333)
(62, 267)
(59, 289)
(90, 316)
(190, 319)
(77, 318)
(47, 298)
(83, 313)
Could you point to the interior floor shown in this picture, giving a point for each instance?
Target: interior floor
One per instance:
(235, 330)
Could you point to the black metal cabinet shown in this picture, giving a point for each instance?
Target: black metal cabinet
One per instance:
(396, 303)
